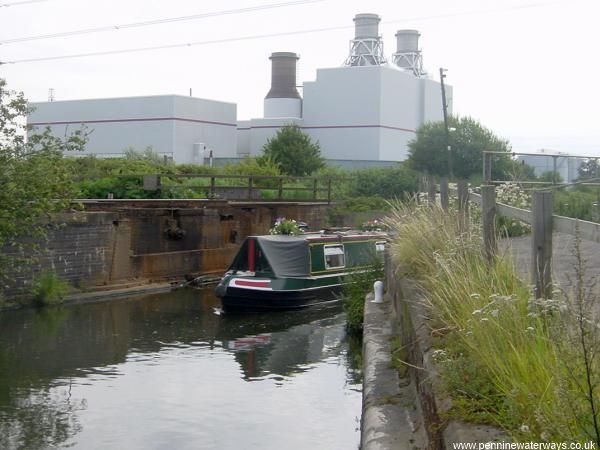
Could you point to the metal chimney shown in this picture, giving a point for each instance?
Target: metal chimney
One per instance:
(283, 99)
(408, 56)
(366, 49)
(366, 26)
(283, 75)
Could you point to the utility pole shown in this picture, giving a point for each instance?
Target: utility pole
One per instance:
(447, 130)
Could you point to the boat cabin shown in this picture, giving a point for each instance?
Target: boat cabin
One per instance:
(307, 255)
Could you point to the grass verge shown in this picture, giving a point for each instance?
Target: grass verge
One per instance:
(506, 358)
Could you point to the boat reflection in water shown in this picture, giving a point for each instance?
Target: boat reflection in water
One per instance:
(283, 343)
(76, 376)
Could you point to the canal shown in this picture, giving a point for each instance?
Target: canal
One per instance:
(168, 371)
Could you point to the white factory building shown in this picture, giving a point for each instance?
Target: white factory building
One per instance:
(175, 126)
(363, 112)
(547, 161)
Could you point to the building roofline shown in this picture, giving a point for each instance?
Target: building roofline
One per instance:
(134, 97)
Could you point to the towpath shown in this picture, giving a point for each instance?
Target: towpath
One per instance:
(563, 260)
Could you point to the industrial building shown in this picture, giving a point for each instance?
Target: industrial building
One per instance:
(175, 126)
(363, 113)
(548, 161)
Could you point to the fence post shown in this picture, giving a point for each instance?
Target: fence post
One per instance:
(420, 188)
(463, 205)
(487, 167)
(329, 190)
(249, 188)
(431, 190)
(280, 189)
(541, 239)
(444, 197)
(212, 187)
(488, 210)
(315, 184)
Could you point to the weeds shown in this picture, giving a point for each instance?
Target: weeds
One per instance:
(48, 289)
(359, 284)
(579, 343)
(508, 359)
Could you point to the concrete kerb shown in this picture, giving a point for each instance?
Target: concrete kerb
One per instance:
(409, 311)
(391, 418)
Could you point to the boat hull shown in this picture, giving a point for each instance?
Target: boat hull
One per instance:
(251, 300)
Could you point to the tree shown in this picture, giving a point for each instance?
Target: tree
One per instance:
(551, 177)
(468, 139)
(589, 169)
(293, 151)
(34, 182)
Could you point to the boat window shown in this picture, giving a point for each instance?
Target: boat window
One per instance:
(380, 246)
(334, 256)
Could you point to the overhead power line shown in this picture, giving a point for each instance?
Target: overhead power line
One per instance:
(23, 2)
(155, 21)
(264, 36)
(170, 46)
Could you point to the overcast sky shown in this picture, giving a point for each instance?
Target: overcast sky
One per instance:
(527, 69)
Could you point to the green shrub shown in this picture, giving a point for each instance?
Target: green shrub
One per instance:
(386, 182)
(511, 194)
(358, 285)
(362, 204)
(581, 203)
(48, 289)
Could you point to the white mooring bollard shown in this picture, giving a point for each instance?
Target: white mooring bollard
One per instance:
(378, 290)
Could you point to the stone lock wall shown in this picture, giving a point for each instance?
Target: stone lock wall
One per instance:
(114, 243)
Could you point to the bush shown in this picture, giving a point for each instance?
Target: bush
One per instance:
(48, 289)
(581, 203)
(358, 285)
(386, 182)
(511, 194)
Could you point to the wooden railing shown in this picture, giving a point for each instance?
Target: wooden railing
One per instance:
(540, 217)
(246, 187)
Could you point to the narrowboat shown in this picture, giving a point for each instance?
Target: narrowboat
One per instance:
(290, 272)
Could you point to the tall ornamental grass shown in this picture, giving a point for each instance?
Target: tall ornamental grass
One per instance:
(506, 358)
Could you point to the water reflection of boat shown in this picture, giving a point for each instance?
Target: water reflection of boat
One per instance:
(249, 342)
(290, 272)
(283, 343)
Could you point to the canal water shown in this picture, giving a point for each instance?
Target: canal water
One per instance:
(166, 371)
